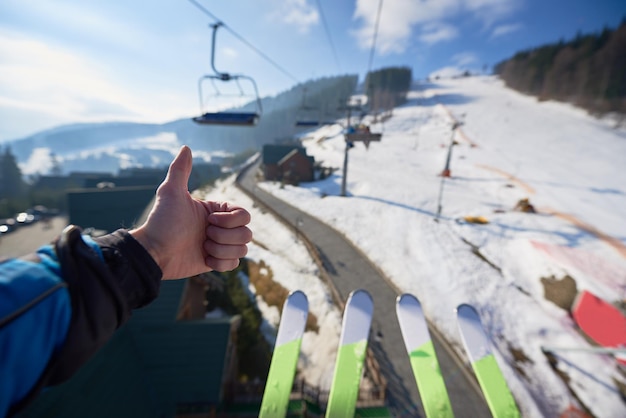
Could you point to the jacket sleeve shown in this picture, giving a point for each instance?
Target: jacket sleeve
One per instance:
(103, 280)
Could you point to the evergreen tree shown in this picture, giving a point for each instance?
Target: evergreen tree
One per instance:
(588, 71)
(11, 183)
(387, 87)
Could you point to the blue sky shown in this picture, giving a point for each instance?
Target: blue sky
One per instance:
(68, 61)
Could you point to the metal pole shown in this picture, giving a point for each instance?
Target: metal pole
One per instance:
(446, 171)
(345, 170)
(345, 157)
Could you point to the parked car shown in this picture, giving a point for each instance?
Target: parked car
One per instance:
(25, 218)
(7, 225)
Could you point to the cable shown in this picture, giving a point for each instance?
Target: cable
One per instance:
(380, 6)
(241, 38)
(330, 39)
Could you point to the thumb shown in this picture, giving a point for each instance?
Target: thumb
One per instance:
(180, 169)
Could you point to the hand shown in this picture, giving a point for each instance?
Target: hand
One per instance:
(187, 236)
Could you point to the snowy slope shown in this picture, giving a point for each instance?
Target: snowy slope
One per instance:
(571, 168)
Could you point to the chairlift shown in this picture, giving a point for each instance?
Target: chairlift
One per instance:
(359, 132)
(362, 133)
(236, 118)
(307, 116)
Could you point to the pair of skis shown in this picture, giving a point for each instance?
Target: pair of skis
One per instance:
(352, 351)
(426, 368)
(351, 354)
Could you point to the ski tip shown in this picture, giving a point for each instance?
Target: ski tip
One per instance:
(466, 310)
(408, 305)
(362, 299)
(407, 299)
(299, 299)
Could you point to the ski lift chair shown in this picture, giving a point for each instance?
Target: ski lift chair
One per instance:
(234, 118)
(237, 118)
(307, 116)
(362, 133)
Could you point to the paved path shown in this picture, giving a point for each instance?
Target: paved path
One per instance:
(349, 269)
(26, 239)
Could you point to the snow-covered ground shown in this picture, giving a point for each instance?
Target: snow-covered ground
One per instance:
(570, 166)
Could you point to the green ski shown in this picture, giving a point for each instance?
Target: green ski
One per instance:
(285, 357)
(423, 358)
(344, 390)
(477, 346)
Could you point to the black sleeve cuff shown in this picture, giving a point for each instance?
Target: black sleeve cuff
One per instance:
(139, 276)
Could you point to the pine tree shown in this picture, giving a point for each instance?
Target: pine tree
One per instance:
(11, 183)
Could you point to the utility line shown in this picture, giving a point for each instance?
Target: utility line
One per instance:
(330, 39)
(241, 38)
(380, 6)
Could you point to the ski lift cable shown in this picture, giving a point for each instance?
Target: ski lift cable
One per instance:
(242, 39)
(380, 7)
(330, 39)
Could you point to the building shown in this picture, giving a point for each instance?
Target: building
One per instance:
(108, 209)
(167, 361)
(287, 163)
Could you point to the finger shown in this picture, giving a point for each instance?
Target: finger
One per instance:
(179, 170)
(221, 265)
(225, 252)
(236, 217)
(229, 236)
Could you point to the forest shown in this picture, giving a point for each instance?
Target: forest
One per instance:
(588, 71)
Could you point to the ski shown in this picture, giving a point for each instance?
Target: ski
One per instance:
(478, 348)
(422, 356)
(285, 357)
(344, 389)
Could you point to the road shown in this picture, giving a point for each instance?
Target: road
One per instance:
(348, 270)
(26, 239)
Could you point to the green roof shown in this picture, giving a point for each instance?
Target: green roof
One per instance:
(151, 365)
(272, 154)
(108, 209)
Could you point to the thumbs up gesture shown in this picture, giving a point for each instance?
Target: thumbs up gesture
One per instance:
(187, 236)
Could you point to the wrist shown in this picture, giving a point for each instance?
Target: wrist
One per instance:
(140, 236)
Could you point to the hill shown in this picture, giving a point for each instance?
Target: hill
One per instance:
(588, 71)
(109, 146)
(510, 147)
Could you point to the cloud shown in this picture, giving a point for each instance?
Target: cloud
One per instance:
(433, 33)
(464, 59)
(397, 20)
(431, 20)
(89, 19)
(298, 13)
(502, 30)
(490, 11)
(52, 83)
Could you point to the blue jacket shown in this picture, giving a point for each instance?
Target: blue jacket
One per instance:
(60, 305)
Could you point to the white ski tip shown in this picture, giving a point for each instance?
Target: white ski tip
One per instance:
(474, 338)
(412, 321)
(298, 300)
(296, 309)
(358, 313)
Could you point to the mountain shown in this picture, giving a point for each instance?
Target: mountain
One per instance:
(109, 146)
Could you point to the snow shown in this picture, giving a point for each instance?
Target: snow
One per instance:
(510, 146)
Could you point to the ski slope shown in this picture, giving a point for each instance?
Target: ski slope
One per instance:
(571, 168)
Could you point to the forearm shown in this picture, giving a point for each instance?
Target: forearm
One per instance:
(103, 280)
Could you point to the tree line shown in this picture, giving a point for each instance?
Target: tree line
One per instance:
(588, 71)
(387, 88)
